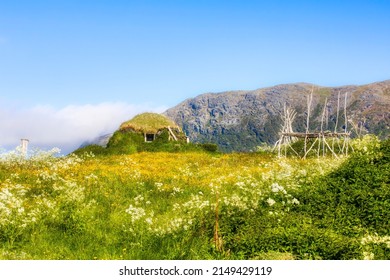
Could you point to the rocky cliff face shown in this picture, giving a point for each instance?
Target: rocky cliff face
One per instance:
(242, 120)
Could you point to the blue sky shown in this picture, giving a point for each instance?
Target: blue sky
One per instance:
(57, 56)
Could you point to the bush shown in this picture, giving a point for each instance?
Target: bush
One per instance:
(292, 234)
(94, 149)
(354, 197)
(210, 147)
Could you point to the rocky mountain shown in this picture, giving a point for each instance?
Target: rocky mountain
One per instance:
(243, 120)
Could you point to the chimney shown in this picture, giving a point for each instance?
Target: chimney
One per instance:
(24, 146)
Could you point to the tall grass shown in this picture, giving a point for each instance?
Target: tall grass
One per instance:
(195, 205)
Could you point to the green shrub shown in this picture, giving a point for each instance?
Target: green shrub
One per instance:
(94, 149)
(354, 197)
(292, 234)
(210, 147)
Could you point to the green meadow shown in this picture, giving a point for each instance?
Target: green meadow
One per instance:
(196, 204)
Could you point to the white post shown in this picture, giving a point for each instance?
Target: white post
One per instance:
(24, 146)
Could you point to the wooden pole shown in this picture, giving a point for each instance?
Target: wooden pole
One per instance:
(346, 124)
(322, 127)
(309, 100)
(311, 147)
(345, 146)
(337, 119)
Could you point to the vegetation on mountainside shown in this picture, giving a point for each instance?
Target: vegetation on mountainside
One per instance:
(242, 120)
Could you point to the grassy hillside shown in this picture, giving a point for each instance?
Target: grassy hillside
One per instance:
(130, 138)
(125, 142)
(149, 122)
(196, 205)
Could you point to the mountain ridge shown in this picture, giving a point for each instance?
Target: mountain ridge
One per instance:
(244, 119)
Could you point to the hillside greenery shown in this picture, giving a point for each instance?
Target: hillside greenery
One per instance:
(195, 205)
(129, 142)
(148, 122)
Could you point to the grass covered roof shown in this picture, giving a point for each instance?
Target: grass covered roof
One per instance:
(148, 123)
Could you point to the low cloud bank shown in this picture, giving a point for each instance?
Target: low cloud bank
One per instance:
(66, 128)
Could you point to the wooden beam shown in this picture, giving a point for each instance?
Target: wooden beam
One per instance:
(171, 132)
(315, 134)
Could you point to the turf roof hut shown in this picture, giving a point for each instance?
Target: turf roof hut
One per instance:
(152, 126)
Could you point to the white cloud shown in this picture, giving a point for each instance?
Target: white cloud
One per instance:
(65, 128)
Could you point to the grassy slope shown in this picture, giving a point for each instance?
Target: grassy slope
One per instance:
(149, 122)
(162, 206)
(125, 142)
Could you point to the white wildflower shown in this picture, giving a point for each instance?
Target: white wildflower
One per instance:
(177, 190)
(376, 239)
(270, 201)
(138, 199)
(275, 187)
(135, 212)
(159, 186)
(295, 201)
(368, 256)
(240, 184)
